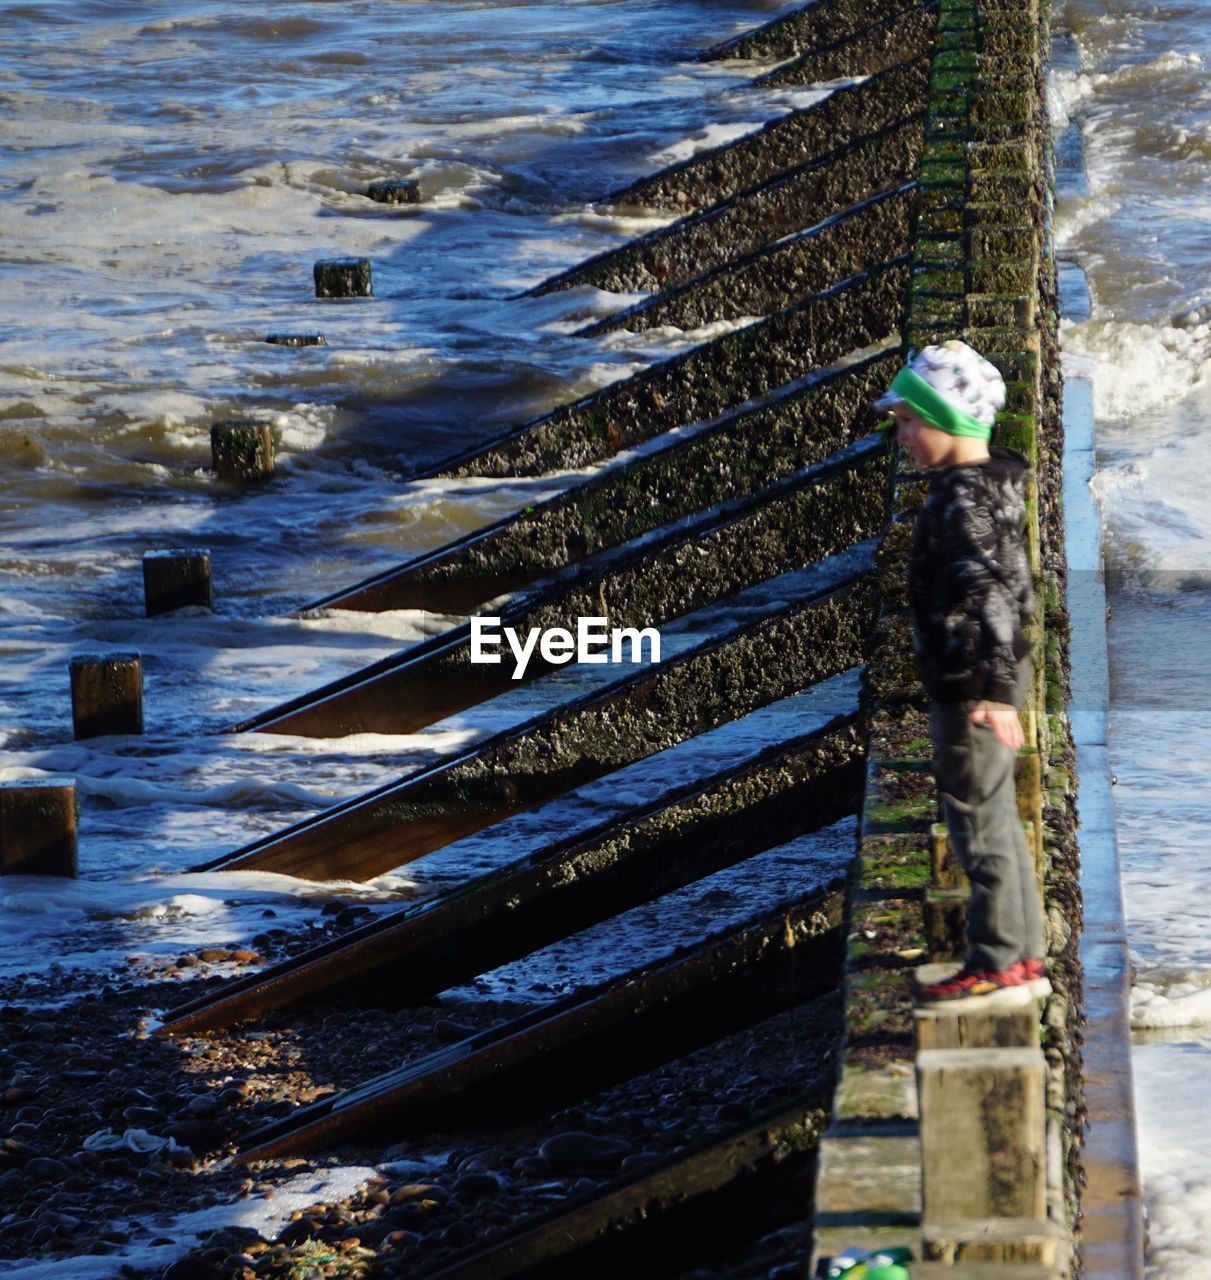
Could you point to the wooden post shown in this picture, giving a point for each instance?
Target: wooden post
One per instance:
(983, 1149)
(403, 191)
(38, 827)
(242, 449)
(296, 339)
(944, 866)
(940, 1027)
(343, 278)
(176, 579)
(946, 923)
(106, 694)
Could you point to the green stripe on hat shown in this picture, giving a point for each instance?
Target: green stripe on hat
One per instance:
(931, 405)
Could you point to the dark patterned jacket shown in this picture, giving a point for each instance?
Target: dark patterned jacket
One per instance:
(969, 580)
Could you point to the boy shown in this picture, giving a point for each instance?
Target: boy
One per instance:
(970, 596)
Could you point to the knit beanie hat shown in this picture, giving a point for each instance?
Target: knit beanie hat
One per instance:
(952, 387)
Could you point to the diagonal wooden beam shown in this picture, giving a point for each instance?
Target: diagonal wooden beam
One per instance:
(720, 680)
(798, 266)
(588, 1040)
(729, 230)
(693, 563)
(818, 25)
(701, 383)
(785, 792)
(739, 454)
(792, 139)
(690, 1208)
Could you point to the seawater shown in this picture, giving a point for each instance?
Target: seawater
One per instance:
(170, 173)
(1138, 89)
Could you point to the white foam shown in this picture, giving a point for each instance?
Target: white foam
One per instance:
(264, 1214)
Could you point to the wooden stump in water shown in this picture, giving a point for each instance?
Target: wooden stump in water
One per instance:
(106, 694)
(38, 827)
(242, 449)
(343, 278)
(296, 339)
(401, 191)
(176, 579)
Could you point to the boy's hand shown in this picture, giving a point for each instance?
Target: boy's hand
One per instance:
(1003, 720)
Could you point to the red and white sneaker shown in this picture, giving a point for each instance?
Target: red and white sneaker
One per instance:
(978, 989)
(1034, 974)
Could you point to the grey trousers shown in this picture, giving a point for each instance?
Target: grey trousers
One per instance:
(976, 788)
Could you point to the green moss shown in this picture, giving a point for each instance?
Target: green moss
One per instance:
(964, 60)
(941, 311)
(1012, 276)
(995, 311)
(932, 198)
(933, 280)
(1020, 432)
(1001, 242)
(940, 222)
(1015, 106)
(957, 40)
(939, 251)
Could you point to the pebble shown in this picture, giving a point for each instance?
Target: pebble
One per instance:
(419, 1191)
(472, 1186)
(448, 1031)
(577, 1148)
(45, 1169)
(191, 1267)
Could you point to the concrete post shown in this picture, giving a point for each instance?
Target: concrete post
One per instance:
(106, 694)
(242, 449)
(343, 278)
(38, 827)
(983, 1143)
(175, 579)
(403, 191)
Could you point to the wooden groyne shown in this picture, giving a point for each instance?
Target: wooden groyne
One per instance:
(904, 209)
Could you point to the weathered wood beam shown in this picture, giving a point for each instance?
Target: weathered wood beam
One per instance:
(718, 681)
(890, 39)
(739, 454)
(731, 229)
(701, 383)
(763, 282)
(587, 1041)
(690, 1208)
(564, 887)
(793, 139)
(818, 25)
(818, 512)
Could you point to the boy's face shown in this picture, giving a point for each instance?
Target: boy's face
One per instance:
(925, 444)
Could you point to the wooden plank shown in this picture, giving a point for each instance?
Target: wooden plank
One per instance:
(738, 455)
(588, 1040)
(709, 824)
(817, 512)
(720, 680)
(982, 1133)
